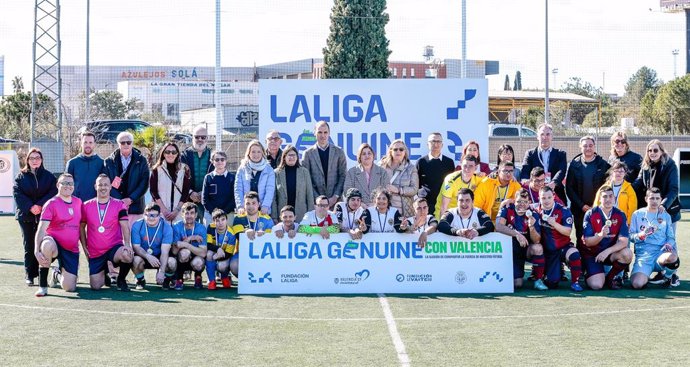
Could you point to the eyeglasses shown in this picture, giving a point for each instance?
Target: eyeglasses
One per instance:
(273, 138)
(507, 171)
(655, 150)
(219, 159)
(322, 205)
(398, 149)
(200, 137)
(152, 215)
(170, 152)
(522, 202)
(126, 142)
(36, 158)
(66, 183)
(620, 141)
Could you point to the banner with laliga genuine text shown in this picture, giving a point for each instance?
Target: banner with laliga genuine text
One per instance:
(378, 111)
(378, 263)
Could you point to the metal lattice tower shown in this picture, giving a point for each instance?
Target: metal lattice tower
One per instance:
(46, 118)
(46, 70)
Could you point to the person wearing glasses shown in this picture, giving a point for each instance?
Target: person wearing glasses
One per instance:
(432, 169)
(198, 158)
(659, 170)
(320, 220)
(293, 185)
(403, 181)
(620, 150)
(152, 240)
(33, 187)
(586, 174)
(170, 183)
(273, 152)
(57, 237)
(506, 154)
(85, 167)
(128, 172)
(216, 192)
(493, 191)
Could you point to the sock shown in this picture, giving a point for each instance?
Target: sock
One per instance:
(169, 275)
(575, 265)
(669, 269)
(179, 273)
(139, 276)
(615, 270)
(197, 274)
(43, 277)
(538, 263)
(124, 270)
(667, 272)
(211, 270)
(224, 274)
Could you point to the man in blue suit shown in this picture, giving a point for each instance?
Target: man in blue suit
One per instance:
(546, 156)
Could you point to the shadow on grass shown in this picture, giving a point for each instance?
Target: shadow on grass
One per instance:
(11, 262)
(152, 293)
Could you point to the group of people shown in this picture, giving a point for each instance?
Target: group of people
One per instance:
(199, 207)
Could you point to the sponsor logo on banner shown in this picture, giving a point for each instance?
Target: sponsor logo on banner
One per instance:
(357, 278)
(414, 278)
(5, 165)
(490, 276)
(266, 278)
(293, 277)
(460, 277)
(463, 249)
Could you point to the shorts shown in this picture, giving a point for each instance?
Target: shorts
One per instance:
(592, 267)
(99, 264)
(647, 264)
(67, 260)
(554, 259)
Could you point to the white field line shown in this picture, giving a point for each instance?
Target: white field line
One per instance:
(393, 331)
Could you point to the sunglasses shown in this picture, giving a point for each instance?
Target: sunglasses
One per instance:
(67, 183)
(170, 152)
(398, 149)
(273, 138)
(126, 142)
(219, 159)
(620, 141)
(200, 137)
(655, 150)
(152, 215)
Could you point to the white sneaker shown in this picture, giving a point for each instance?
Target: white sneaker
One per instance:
(41, 292)
(54, 280)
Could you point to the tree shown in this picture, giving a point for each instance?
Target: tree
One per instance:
(151, 138)
(357, 46)
(517, 82)
(108, 104)
(644, 80)
(506, 84)
(583, 88)
(15, 112)
(669, 107)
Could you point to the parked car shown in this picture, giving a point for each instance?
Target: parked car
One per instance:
(106, 131)
(500, 129)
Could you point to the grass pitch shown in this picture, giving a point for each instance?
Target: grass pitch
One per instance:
(198, 327)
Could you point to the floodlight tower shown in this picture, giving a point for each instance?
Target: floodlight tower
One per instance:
(676, 6)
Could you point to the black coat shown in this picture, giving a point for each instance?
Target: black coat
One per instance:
(33, 189)
(632, 160)
(135, 181)
(558, 164)
(666, 179)
(576, 181)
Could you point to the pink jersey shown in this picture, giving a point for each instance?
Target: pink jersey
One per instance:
(64, 221)
(99, 243)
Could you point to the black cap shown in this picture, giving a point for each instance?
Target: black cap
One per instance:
(353, 192)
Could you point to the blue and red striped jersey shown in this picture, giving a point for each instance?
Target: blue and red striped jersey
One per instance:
(595, 220)
(551, 239)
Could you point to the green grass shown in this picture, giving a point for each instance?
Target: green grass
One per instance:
(156, 327)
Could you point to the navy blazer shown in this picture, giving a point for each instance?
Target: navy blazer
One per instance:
(558, 165)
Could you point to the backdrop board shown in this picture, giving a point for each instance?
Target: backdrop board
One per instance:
(378, 111)
(9, 169)
(682, 158)
(379, 263)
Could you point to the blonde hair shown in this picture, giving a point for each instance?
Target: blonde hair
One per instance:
(388, 158)
(647, 162)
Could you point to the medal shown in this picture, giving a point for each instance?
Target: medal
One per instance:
(545, 217)
(149, 240)
(528, 213)
(150, 251)
(101, 215)
(101, 229)
(608, 223)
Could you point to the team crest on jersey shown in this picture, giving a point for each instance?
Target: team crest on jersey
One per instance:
(475, 225)
(660, 220)
(71, 211)
(390, 221)
(598, 221)
(614, 222)
(569, 220)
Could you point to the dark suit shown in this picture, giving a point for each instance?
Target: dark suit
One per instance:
(557, 167)
(337, 168)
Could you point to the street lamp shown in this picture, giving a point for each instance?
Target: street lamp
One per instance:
(554, 72)
(675, 57)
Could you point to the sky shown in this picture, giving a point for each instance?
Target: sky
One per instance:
(601, 41)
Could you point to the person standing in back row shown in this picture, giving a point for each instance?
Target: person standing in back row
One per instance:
(432, 169)
(85, 167)
(552, 160)
(326, 164)
(198, 159)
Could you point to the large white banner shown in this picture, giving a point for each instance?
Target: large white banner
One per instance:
(378, 111)
(379, 263)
